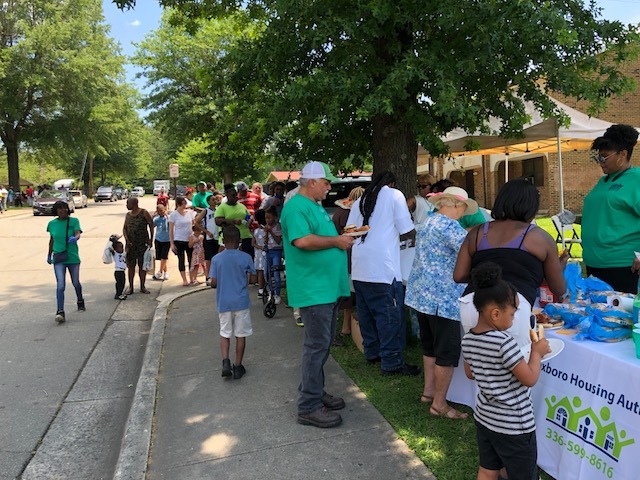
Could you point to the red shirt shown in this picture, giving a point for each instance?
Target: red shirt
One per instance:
(163, 199)
(250, 200)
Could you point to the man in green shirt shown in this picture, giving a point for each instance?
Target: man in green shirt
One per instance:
(316, 278)
(199, 200)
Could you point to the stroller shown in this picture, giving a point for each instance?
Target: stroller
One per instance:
(269, 293)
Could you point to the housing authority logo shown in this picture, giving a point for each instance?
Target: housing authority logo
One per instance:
(588, 425)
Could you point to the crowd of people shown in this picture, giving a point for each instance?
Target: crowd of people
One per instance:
(472, 285)
(10, 197)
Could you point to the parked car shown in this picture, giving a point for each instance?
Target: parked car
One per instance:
(43, 205)
(341, 188)
(181, 190)
(137, 192)
(105, 193)
(122, 193)
(79, 199)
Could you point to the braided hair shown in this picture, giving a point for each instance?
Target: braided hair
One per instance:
(370, 195)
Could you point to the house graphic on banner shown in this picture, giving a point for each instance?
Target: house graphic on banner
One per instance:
(587, 425)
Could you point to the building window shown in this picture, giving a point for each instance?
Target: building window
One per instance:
(533, 170)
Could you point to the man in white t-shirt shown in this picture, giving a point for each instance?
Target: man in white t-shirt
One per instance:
(376, 274)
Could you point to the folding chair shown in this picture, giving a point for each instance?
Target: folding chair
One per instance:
(564, 226)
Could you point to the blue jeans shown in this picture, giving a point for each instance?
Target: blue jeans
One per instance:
(380, 309)
(275, 260)
(60, 270)
(319, 329)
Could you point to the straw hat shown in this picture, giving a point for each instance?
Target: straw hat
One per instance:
(455, 193)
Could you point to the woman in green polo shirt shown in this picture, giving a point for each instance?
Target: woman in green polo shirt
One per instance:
(64, 233)
(611, 212)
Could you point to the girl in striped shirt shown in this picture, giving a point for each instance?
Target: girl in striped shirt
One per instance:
(504, 419)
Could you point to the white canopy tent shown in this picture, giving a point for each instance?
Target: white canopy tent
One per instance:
(540, 136)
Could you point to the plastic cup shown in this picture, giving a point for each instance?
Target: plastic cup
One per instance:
(636, 340)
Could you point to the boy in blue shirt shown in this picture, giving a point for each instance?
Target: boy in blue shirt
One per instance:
(230, 268)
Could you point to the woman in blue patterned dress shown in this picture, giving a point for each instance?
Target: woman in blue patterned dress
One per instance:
(433, 293)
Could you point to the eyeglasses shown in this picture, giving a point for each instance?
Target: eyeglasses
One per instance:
(424, 186)
(600, 159)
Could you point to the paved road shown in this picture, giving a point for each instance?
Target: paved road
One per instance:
(65, 390)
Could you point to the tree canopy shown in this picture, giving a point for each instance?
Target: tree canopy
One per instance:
(214, 129)
(62, 79)
(341, 81)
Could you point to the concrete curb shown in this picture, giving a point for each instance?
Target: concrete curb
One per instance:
(134, 452)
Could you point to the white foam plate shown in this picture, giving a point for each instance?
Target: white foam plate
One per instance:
(356, 234)
(556, 345)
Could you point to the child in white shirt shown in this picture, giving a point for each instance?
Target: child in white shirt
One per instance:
(120, 263)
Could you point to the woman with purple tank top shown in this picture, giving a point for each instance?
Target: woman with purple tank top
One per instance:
(526, 253)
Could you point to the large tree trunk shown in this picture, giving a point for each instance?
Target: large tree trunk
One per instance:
(13, 165)
(90, 192)
(395, 148)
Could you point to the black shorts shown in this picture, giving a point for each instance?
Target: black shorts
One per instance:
(210, 248)
(440, 338)
(162, 249)
(517, 453)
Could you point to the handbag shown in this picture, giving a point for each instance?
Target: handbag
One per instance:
(63, 256)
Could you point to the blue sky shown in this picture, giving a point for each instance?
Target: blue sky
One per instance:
(131, 26)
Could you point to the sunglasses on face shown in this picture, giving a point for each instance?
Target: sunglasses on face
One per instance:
(601, 159)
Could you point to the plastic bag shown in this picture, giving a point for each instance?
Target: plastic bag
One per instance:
(571, 315)
(610, 317)
(594, 284)
(147, 259)
(573, 276)
(599, 333)
(107, 255)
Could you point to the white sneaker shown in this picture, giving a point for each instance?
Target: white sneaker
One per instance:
(158, 276)
(166, 276)
(277, 299)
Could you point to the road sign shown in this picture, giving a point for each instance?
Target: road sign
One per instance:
(174, 170)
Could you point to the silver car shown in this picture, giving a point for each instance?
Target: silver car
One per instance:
(79, 198)
(43, 205)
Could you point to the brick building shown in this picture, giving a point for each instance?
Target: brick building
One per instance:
(483, 175)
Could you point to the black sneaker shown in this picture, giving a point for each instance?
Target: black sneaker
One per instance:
(331, 402)
(226, 368)
(81, 307)
(60, 316)
(404, 369)
(373, 361)
(238, 371)
(321, 418)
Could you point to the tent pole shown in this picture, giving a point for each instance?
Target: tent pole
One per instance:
(560, 181)
(506, 166)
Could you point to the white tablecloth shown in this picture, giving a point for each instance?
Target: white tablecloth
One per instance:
(587, 407)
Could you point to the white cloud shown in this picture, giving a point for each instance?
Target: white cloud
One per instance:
(135, 23)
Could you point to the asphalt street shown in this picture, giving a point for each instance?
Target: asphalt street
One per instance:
(66, 387)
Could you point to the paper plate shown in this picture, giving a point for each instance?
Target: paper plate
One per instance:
(356, 234)
(556, 345)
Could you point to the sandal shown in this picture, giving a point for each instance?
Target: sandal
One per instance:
(144, 290)
(449, 412)
(130, 291)
(195, 283)
(426, 399)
